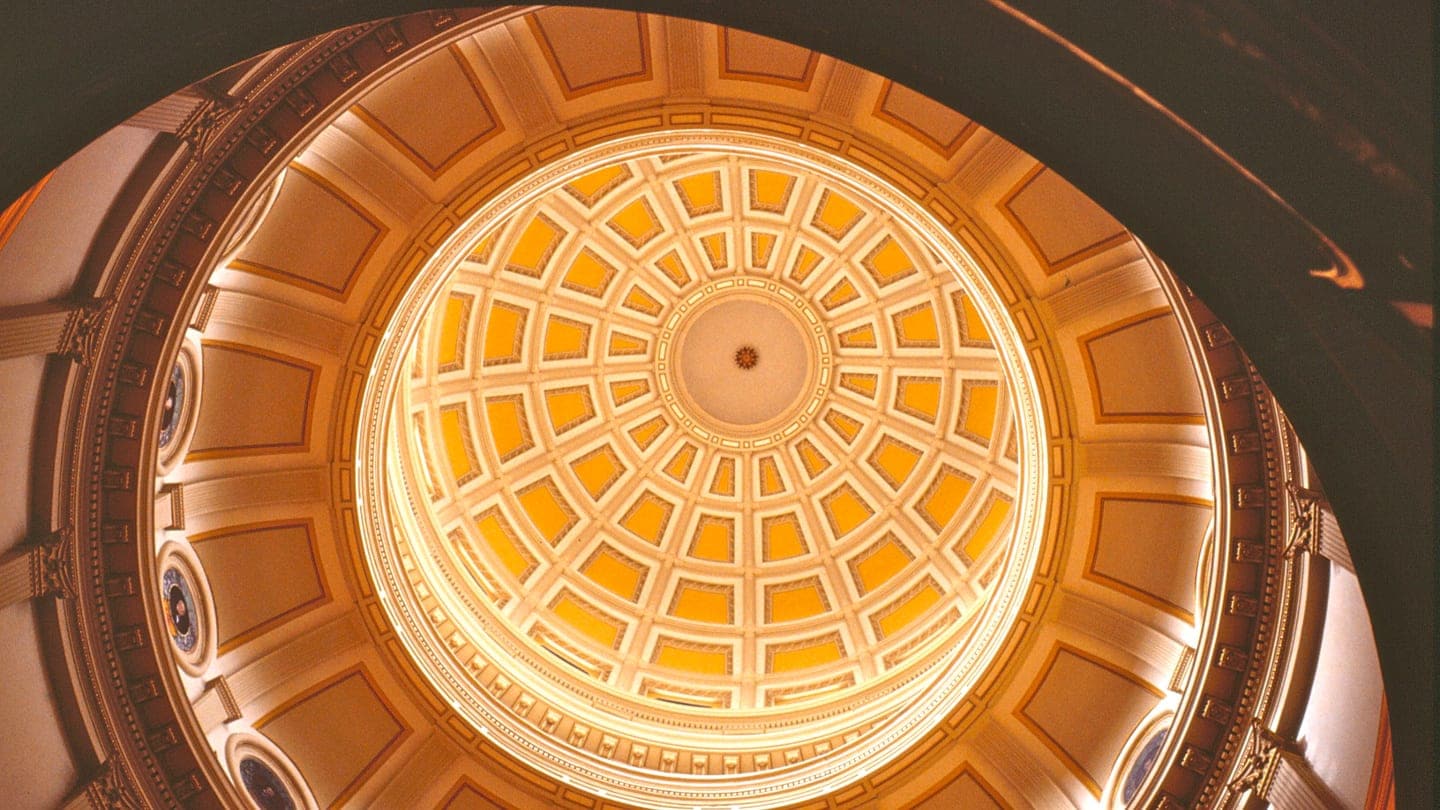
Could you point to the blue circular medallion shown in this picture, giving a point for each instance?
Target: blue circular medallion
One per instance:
(264, 786)
(180, 614)
(1141, 767)
(172, 407)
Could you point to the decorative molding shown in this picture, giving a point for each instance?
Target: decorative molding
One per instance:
(173, 113)
(42, 568)
(1257, 764)
(1313, 528)
(107, 789)
(51, 569)
(69, 329)
(80, 337)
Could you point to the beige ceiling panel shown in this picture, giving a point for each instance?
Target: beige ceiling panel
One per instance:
(592, 49)
(434, 114)
(751, 57)
(1074, 678)
(278, 392)
(468, 796)
(967, 790)
(933, 124)
(1061, 226)
(1132, 373)
(338, 732)
(315, 236)
(262, 575)
(1148, 546)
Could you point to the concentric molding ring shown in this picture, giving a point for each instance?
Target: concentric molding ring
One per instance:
(806, 778)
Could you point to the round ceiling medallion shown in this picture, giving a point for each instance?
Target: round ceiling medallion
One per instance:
(712, 379)
(701, 468)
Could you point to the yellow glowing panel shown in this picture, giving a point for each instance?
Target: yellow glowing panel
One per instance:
(793, 601)
(588, 274)
(532, 250)
(568, 407)
(700, 603)
(451, 352)
(714, 539)
(622, 345)
(916, 327)
(636, 222)
(781, 538)
(769, 479)
(846, 427)
(679, 465)
(588, 620)
(841, 293)
(894, 460)
(498, 535)
(457, 443)
(989, 528)
(645, 433)
(919, 397)
(641, 301)
(615, 573)
(806, 260)
(509, 429)
(836, 215)
(812, 655)
(547, 510)
(482, 251)
(504, 333)
(674, 269)
(590, 188)
(943, 499)
(973, 327)
(770, 191)
(699, 193)
(716, 249)
(810, 458)
(702, 659)
(845, 510)
(861, 337)
(648, 517)
(723, 483)
(980, 401)
(898, 616)
(565, 339)
(761, 246)
(598, 470)
(879, 565)
(622, 391)
(862, 384)
(888, 262)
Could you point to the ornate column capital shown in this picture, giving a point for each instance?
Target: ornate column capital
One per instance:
(80, 339)
(1305, 507)
(106, 789)
(50, 570)
(1258, 763)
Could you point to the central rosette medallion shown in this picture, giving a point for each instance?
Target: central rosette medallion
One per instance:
(711, 376)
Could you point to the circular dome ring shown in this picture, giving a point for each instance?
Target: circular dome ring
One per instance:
(931, 696)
